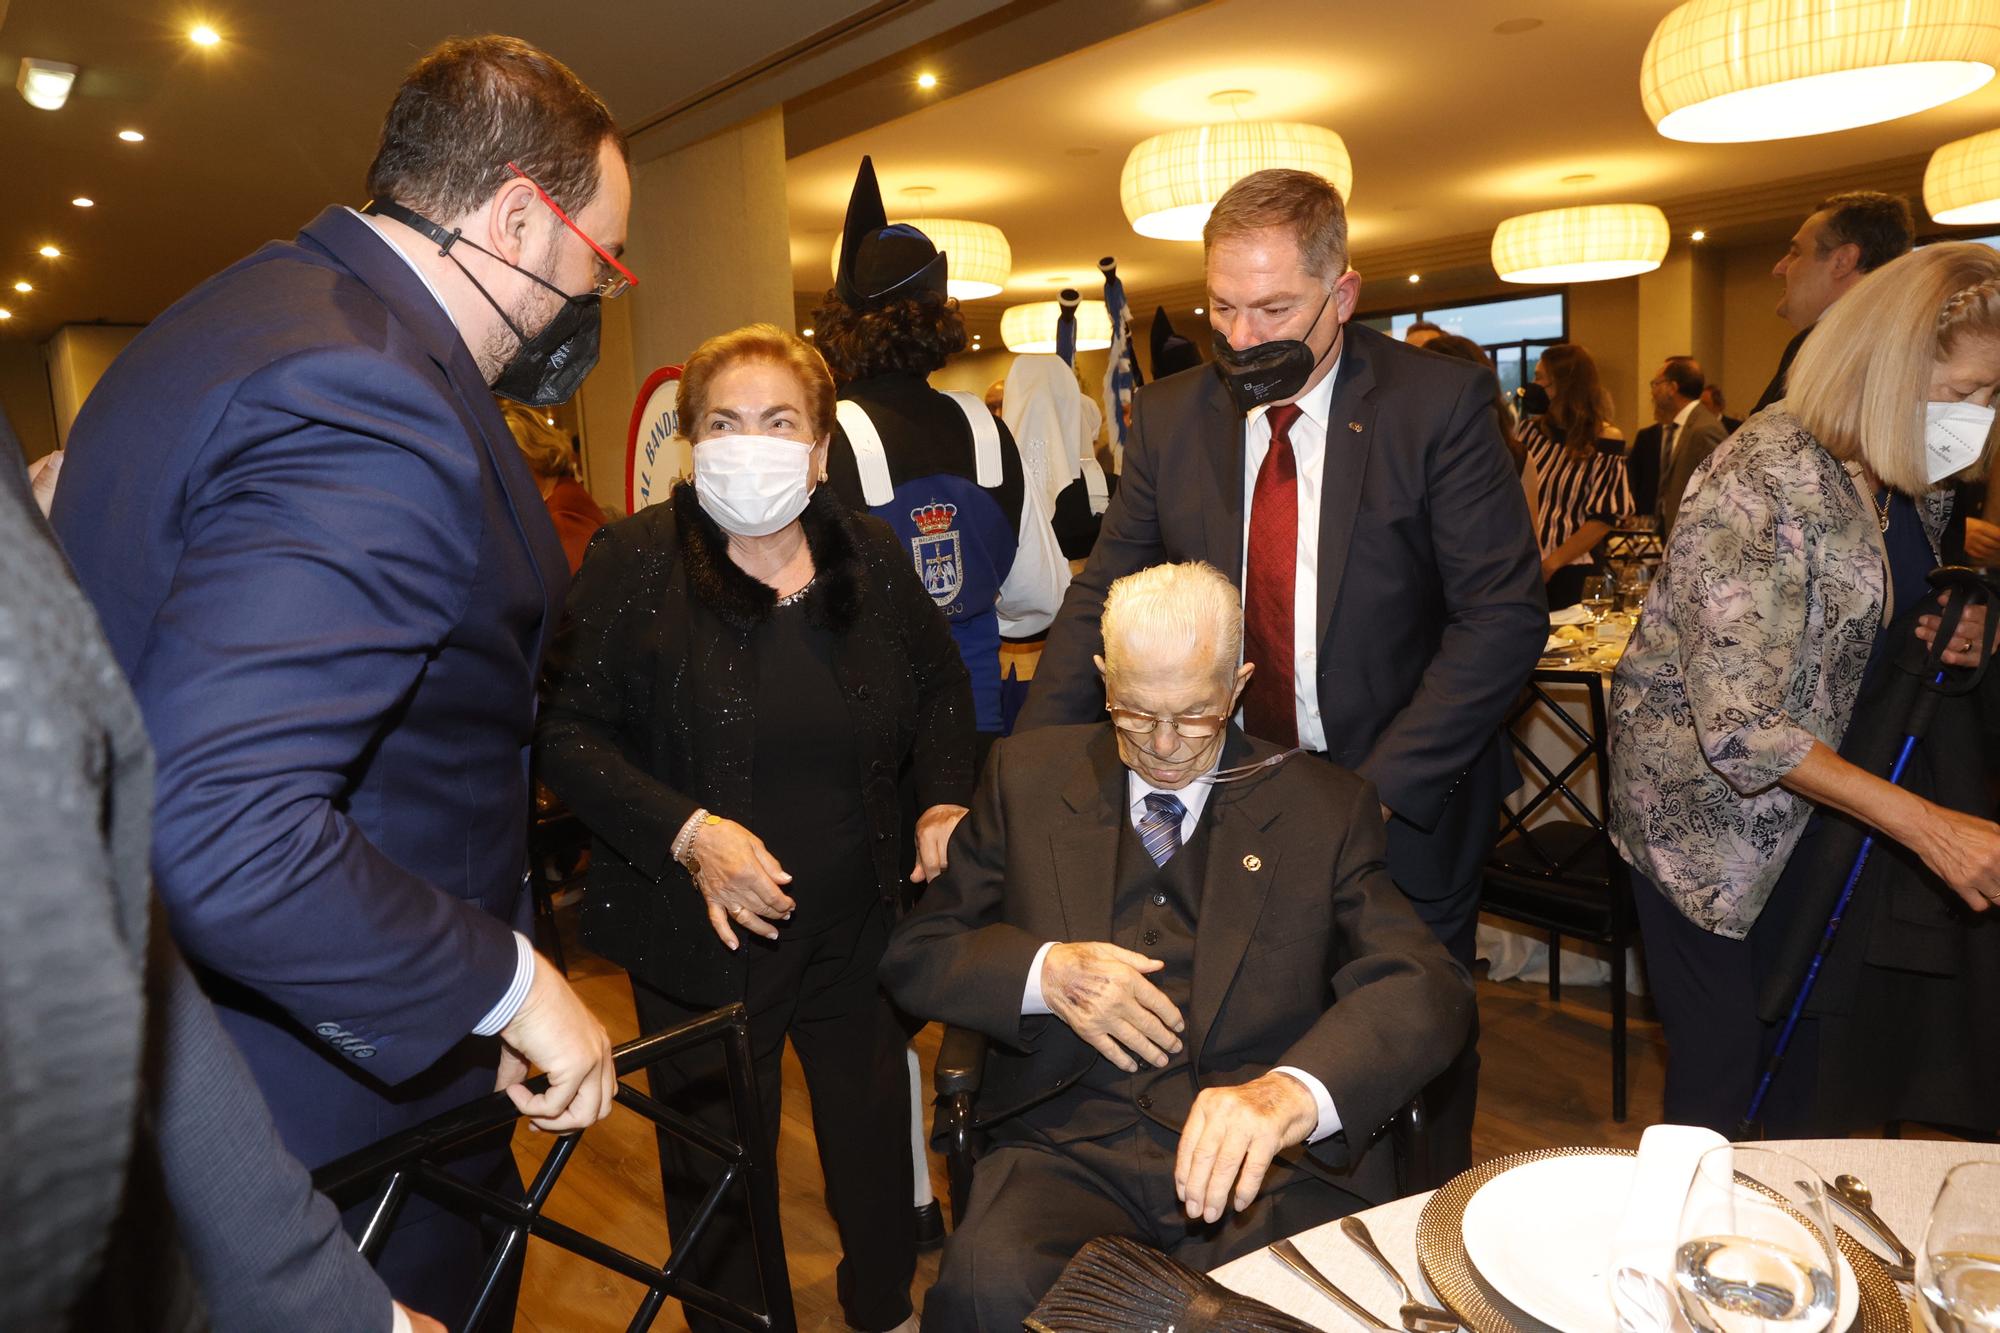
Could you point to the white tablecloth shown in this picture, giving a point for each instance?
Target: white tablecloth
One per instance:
(1903, 1173)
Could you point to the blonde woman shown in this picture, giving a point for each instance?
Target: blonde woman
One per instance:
(1802, 538)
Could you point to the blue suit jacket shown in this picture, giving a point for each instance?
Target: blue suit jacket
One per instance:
(325, 568)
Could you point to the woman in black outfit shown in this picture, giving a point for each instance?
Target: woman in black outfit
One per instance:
(750, 683)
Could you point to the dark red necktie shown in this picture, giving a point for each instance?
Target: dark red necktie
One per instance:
(1270, 577)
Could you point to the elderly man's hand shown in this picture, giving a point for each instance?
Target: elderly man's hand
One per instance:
(1231, 1136)
(934, 828)
(1101, 991)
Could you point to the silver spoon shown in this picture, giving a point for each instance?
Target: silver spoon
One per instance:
(1288, 1254)
(1417, 1317)
(1854, 1194)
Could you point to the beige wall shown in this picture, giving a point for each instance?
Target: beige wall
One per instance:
(604, 406)
(1604, 317)
(77, 357)
(1753, 335)
(25, 397)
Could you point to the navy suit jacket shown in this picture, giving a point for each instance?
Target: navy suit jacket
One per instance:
(1430, 603)
(324, 566)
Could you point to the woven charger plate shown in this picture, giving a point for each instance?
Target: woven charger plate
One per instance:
(1445, 1265)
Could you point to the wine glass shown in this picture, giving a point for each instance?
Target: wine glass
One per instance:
(1755, 1252)
(1958, 1266)
(1633, 585)
(1600, 595)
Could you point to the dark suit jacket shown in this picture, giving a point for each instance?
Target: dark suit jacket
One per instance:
(1309, 957)
(649, 717)
(1776, 388)
(1693, 443)
(143, 1185)
(323, 564)
(1642, 469)
(1431, 606)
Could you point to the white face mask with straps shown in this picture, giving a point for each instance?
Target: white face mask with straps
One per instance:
(1954, 438)
(752, 485)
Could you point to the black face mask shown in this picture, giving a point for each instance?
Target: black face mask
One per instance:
(546, 368)
(1269, 372)
(1534, 400)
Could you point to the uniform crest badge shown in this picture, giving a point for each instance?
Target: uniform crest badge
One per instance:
(938, 552)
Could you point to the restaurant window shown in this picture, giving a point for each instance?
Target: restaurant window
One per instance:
(1514, 330)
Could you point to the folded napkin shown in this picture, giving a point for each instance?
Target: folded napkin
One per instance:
(1642, 1250)
(1570, 615)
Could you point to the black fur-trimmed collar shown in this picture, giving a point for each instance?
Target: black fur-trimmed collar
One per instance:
(739, 600)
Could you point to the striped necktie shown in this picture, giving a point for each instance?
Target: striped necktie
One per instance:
(1160, 828)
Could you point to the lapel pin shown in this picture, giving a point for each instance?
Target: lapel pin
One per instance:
(1253, 862)
(1354, 426)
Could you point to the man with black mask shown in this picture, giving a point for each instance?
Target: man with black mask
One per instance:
(1359, 492)
(321, 561)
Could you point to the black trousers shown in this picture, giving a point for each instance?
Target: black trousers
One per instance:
(1704, 988)
(1034, 1205)
(822, 993)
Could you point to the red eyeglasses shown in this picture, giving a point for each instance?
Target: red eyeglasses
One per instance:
(611, 284)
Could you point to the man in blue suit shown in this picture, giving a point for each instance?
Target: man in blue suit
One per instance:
(325, 568)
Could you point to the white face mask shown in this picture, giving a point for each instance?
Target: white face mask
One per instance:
(752, 485)
(1954, 437)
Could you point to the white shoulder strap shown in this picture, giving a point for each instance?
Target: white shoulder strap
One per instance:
(869, 459)
(985, 437)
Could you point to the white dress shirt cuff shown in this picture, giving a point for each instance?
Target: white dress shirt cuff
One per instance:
(399, 1321)
(1329, 1119)
(1032, 1002)
(509, 1004)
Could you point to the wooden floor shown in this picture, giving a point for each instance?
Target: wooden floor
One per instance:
(1545, 1082)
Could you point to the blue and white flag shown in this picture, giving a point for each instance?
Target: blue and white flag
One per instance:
(1121, 370)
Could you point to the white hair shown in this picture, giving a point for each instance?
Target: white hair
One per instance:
(1164, 613)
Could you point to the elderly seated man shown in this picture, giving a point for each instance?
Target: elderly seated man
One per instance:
(1191, 962)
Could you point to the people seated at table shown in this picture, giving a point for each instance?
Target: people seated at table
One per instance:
(1799, 548)
(1190, 962)
(745, 672)
(1579, 459)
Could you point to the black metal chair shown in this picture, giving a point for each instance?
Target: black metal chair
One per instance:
(1561, 874)
(961, 1065)
(392, 1168)
(1622, 545)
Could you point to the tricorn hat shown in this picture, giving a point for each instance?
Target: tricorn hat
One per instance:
(1171, 352)
(880, 263)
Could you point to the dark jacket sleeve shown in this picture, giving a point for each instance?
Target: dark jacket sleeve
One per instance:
(942, 763)
(1402, 1005)
(584, 737)
(1066, 687)
(265, 1249)
(1495, 616)
(324, 559)
(954, 959)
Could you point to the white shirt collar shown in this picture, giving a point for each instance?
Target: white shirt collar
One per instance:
(397, 251)
(1318, 400)
(1194, 796)
(1681, 417)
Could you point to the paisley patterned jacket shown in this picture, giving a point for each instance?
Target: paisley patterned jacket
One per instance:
(1751, 646)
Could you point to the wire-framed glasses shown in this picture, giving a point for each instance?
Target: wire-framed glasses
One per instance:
(1189, 727)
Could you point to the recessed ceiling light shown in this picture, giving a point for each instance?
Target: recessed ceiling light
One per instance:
(45, 83)
(49, 252)
(1697, 235)
(1416, 277)
(131, 136)
(926, 80)
(84, 201)
(1514, 27)
(5, 313)
(1200, 311)
(203, 35)
(24, 287)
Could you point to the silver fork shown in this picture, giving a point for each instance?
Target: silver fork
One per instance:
(1417, 1317)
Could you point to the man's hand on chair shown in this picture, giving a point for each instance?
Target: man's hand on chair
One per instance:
(1231, 1136)
(1101, 991)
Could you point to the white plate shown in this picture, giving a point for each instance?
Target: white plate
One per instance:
(1541, 1235)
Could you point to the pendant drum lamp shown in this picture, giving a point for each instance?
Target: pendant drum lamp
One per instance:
(1171, 181)
(1735, 71)
(1590, 243)
(979, 260)
(1962, 182)
(1032, 327)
